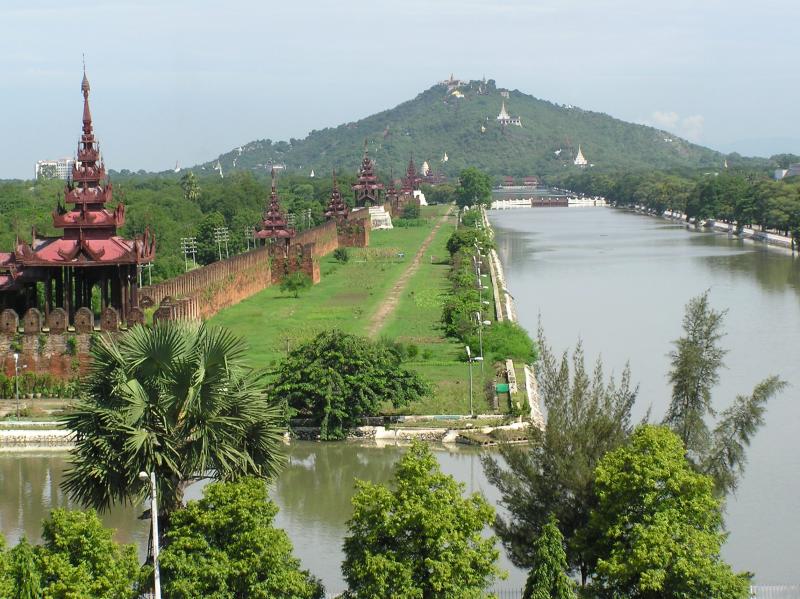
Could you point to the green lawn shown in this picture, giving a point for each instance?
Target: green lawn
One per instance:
(347, 297)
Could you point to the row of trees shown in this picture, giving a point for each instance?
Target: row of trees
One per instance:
(745, 199)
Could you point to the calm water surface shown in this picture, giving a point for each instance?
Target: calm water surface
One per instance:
(619, 281)
(313, 494)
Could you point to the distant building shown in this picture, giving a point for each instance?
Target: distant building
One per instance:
(425, 168)
(504, 93)
(579, 159)
(54, 169)
(792, 171)
(452, 83)
(504, 119)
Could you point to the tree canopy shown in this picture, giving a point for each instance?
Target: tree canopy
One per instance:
(696, 361)
(657, 526)
(176, 399)
(548, 578)
(422, 539)
(225, 546)
(474, 188)
(78, 559)
(587, 416)
(337, 378)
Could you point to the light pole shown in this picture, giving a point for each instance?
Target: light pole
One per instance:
(144, 477)
(481, 323)
(16, 381)
(471, 359)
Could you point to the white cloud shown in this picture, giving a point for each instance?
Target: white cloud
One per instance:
(689, 127)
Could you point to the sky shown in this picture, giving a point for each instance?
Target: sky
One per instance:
(186, 80)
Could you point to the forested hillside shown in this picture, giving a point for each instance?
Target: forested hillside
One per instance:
(437, 122)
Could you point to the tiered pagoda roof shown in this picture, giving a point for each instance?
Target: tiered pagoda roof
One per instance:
(412, 179)
(391, 191)
(90, 229)
(337, 208)
(274, 225)
(367, 188)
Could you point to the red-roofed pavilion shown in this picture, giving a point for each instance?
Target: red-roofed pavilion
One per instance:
(89, 254)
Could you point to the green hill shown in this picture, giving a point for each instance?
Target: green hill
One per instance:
(437, 122)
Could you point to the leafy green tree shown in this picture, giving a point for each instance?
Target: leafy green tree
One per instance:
(467, 237)
(658, 526)
(225, 546)
(548, 579)
(294, 283)
(191, 190)
(338, 378)
(474, 187)
(696, 361)
(208, 250)
(587, 416)
(24, 579)
(176, 399)
(79, 559)
(421, 539)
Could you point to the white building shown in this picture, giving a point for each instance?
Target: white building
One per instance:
(54, 169)
(579, 159)
(504, 119)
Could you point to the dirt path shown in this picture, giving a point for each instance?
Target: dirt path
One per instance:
(391, 300)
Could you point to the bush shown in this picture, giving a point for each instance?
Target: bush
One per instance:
(504, 340)
(410, 212)
(341, 255)
(295, 283)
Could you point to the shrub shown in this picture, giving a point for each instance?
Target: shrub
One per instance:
(503, 340)
(295, 283)
(341, 255)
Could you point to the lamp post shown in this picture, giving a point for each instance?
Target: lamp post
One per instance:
(481, 323)
(471, 359)
(145, 477)
(16, 381)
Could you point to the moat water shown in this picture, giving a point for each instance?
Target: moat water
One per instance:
(619, 282)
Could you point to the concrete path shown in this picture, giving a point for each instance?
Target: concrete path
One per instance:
(389, 304)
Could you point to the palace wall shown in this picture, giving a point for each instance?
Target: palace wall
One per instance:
(322, 236)
(52, 344)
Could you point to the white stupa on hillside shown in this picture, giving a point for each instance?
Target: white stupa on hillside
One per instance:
(505, 119)
(425, 169)
(579, 159)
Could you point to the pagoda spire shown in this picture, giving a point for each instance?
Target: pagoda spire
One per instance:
(337, 209)
(367, 189)
(274, 225)
(87, 114)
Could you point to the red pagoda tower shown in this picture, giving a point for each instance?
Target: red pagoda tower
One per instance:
(89, 254)
(274, 225)
(391, 191)
(337, 209)
(412, 179)
(368, 189)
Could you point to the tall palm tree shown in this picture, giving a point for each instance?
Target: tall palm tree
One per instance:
(177, 399)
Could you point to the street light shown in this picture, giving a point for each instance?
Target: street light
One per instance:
(481, 324)
(16, 381)
(144, 477)
(471, 359)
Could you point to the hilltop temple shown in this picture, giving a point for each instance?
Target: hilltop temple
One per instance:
(505, 119)
(65, 270)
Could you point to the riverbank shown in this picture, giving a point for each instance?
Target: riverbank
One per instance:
(505, 310)
(755, 235)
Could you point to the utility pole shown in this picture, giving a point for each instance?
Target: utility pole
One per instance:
(221, 235)
(189, 247)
